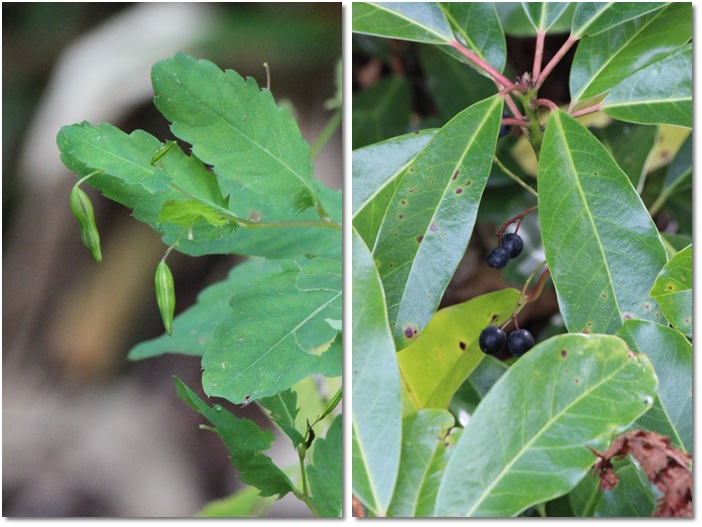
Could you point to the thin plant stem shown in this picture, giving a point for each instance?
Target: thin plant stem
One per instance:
(658, 204)
(517, 218)
(94, 173)
(538, 54)
(268, 76)
(513, 107)
(589, 109)
(326, 134)
(514, 176)
(496, 75)
(555, 60)
(546, 102)
(514, 122)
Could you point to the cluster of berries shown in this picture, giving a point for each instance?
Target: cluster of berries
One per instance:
(492, 341)
(511, 246)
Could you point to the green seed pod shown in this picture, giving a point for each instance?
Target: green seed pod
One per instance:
(82, 209)
(165, 295)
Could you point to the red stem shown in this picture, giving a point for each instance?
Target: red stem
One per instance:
(546, 102)
(504, 81)
(509, 222)
(589, 109)
(556, 59)
(514, 122)
(538, 54)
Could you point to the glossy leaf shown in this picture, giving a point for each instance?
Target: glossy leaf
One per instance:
(585, 496)
(429, 219)
(633, 497)
(246, 443)
(193, 329)
(381, 111)
(529, 439)
(476, 386)
(245, 503)
(420, 21)
(605, 60)
(478, 27)
(589, 212)
(275, 332)
(592, 18)
(673, 291)
(377, 171)
(428, 442)
(671, 356)
(660, 93)
(544, 14)
(325, 474)
(516, 22)
(435, 365)
(375, 378)
(237, 128)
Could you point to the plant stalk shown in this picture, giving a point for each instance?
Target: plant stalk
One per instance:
(326, 134)
(514, 176)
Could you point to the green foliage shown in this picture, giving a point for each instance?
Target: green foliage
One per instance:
(490, 435)
(276, 320)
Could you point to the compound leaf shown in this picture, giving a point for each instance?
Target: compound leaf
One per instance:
(660, 93)
(529, 439)
(671, 356)
(375, 377)
(430, 216)
(246, 443)
(592, 18)
(325, 474)
(274, 332)
(673, 291)
(435, 365)
(589, 212)
(417, 21)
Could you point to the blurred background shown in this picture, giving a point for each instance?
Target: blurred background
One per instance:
(86, 432)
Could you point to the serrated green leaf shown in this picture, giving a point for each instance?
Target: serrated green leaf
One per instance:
(189, 213)
(193, 329)
(381, 111)
(417, 21)
(325, 474)
(377, 171)
(671, 356)
(245, 503)
(375, 378)
(283, 411)
(592, 18)
(512, 453)
(235, 127)
(478, 28)
(589, 212)
(428, 221)
(272, 336)
(673, 291)
(605, 60)
(544, 14)
(246, 443)
(428, 442)
(660, 93)
(630, 145)
(435, 365)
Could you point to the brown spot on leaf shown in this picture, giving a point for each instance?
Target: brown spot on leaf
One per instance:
(462, 345)
(459, 191)
(455, 174)
(564, 353)
(420, 238)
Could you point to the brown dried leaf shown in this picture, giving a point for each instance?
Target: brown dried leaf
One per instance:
(357, 507)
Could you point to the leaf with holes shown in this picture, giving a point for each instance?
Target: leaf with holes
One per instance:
(589, 212)
(673, 291)
(529, 439)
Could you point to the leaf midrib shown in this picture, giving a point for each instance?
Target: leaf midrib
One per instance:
(412, 21)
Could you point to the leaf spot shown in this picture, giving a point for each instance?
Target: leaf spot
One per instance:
(604, 295)
(401, 216)
(420, 238)
(433, 227)
(455, 174)
(462, 345)
(468, 183)
(403, 202)
(410, 331)
(459, 190)
(564, 353)
(576, 380)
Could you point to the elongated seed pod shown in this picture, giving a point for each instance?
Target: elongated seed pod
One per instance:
(82, 209)
(165, 295)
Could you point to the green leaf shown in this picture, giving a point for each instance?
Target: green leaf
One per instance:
(605, 60)
(381, 111)
(592, 18)
(671, 356)
(544, 14)
(420, 21)
(429, 219)
(246, 443)
(602, 248)
(585, 496)
(660, 93)
(325, 474)
(428, 442)
(477, 385)
(516, 22)
(478, 27)
(274, 333)
(283, 411)
(193, 329)
(633, 496)
(673, 291)
(512, 453)
(246, 503)
(375, 377)
(190, 212)
(678, 177)
(435, 365)
(237, 128)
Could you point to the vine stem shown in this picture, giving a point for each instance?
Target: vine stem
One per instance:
(538, 54)
(514, 176)
(589, 109)
(326, 134)
(572, 39)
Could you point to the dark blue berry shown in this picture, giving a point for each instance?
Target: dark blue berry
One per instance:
(513, 243)
(505, 128)
(498, 258)
(492, 340)
(519, 342)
